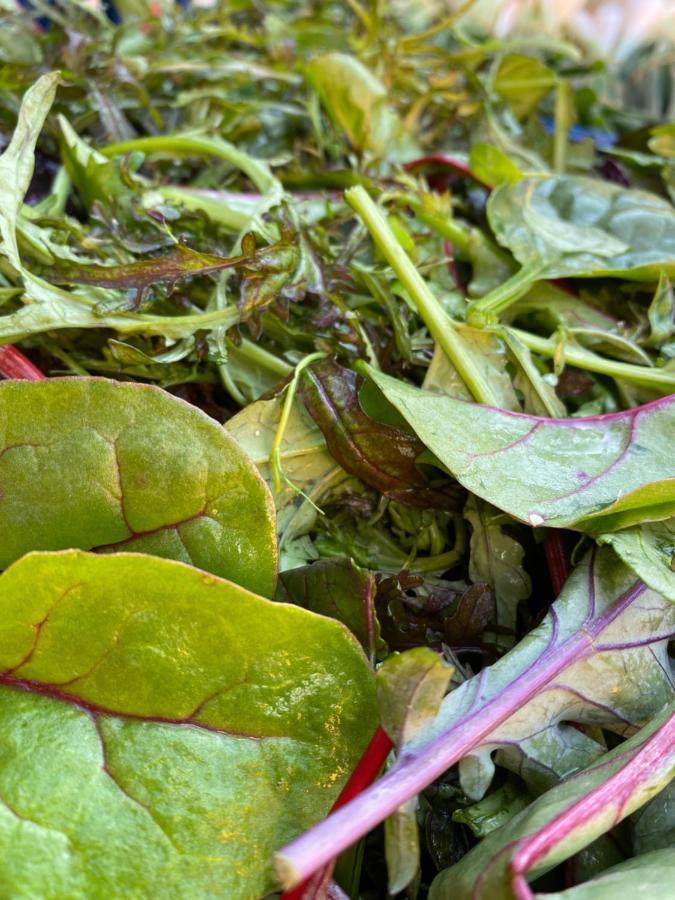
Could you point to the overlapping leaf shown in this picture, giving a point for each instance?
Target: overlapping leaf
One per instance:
(594, 474)
(164, 730)
(91, 463)
(565, 819)
(600, 658)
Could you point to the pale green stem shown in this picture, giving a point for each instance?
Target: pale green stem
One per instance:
(436, 319)
(482, 311)
(658, 379)
(264, 358)
(289, 397)
(200, 146)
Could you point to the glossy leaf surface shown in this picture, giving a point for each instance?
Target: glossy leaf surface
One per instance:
(92, 463)
(164, 729)
(595, 474)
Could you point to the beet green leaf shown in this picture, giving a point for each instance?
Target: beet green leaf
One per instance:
(594, 474)
(599, 658)
(565, 819)
(164, 730)
(97, 464)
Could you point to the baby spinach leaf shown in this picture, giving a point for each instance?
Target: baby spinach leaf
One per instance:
(565, 819)
(594, 474)
(569, 226)
(91, 463)
(572, 226)
(164, 730)
(600, 657)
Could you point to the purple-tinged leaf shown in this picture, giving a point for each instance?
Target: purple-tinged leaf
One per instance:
(599, 658)
(565, 819)
(340, 589)
(382, 456)
(181, 262)
(594, 474)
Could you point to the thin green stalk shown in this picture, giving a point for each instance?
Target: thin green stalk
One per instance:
(289, 397)
(200, 145)
(436, 319)
(458, 235)
(483, 311)
(658, 379)
(263, 358)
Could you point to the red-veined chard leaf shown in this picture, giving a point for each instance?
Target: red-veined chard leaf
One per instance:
(383, 456)
(600, 658)
(594, 474)
(164, 730)
(565, 819)
(91, 463)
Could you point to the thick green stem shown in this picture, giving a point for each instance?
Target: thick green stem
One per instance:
(436, 319)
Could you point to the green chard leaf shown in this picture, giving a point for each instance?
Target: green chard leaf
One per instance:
(164, 730)
(594, 474)
(565, 819)
(92, 463)
(649, 549)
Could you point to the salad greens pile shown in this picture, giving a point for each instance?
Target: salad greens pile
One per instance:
(335, 459)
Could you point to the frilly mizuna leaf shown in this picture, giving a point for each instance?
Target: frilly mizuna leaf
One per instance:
(97, 464)
(600, 657)
(571, 226)
(565, 819)
(594, 474)
(163, 730)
